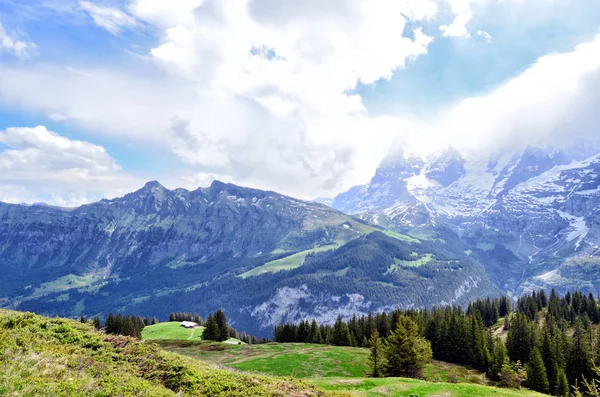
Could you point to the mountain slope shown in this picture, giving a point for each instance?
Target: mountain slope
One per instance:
(59, 357)
(531, 217)
(157, 250)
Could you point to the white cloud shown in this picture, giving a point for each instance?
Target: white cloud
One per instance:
(463, 15)
(485, 35)
(112, 19)
(9, 43)
(555, 101)
(259, 92)
(69, 172)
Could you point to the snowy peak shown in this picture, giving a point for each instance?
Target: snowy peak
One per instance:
(525, 212)
(446, 167)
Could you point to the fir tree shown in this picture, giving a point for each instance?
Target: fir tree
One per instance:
(498, 358)
(222, 326)
(376, 358)
(110, 325)
(537, 378)
(580, 364)
(97, 322)
(341, 334)
(314, 333)
(406, 352)
(519, 340)
(211, 329)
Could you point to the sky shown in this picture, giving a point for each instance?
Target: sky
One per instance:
(304, 98)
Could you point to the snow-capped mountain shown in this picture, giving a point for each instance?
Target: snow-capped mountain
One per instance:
(532, 216)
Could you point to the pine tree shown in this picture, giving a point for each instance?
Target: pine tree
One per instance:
(498, 358)
(341, 334)
(314, 333)
(110, 325)
(562, 385)
(537, 378)
(406, 352)
(479, 355)
(172, 317)
(376, 358)
(97, 322)
(519, 339)
(211, 329)
(222, 326)
(580, 362)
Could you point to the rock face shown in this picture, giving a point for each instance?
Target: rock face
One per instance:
(158, 250)
(530, 216)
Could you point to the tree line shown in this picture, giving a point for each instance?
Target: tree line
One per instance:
(122, 325)
(548, 344)
(216, 327)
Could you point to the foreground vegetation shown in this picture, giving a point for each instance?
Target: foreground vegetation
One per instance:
(60, 357)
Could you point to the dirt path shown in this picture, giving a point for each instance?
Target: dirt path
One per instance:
(192, 334)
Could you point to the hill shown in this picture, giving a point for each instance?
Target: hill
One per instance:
(60, 357)
(263, 257)
(340, 368)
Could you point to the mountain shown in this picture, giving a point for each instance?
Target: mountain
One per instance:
(261, 256)
(530, 216)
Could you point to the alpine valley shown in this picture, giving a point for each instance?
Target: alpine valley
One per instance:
(424, 231)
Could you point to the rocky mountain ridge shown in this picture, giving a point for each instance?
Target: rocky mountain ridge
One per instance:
(157, 250)
(531, 215)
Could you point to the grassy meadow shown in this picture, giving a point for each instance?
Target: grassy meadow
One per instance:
(174, 331)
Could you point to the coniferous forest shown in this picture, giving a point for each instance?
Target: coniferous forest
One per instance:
(550, 344)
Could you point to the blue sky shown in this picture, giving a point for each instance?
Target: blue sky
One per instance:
(125, 92)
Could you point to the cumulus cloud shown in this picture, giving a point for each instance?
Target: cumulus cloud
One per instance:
(70, 171)
(258, 91)
(555, 101)
(12, 45)
(463, 15)
(111, 19)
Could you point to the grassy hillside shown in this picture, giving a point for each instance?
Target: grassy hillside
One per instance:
(341, 369)
(174, 331)
(400, 387)
(60, 357)
(303, 360)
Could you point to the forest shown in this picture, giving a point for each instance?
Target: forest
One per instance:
(550, 344)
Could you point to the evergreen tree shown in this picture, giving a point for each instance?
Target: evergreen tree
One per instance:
(512, 374)
(498, 358)
(341, 334)
(406, 352)
(222, 326)
(562, 384)
(97, 322)
(519, 340)
(479, 355)
(211, 330)
(537, 378)
(580, 364)
(376, 358)
(110, 325)
(314, 333)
